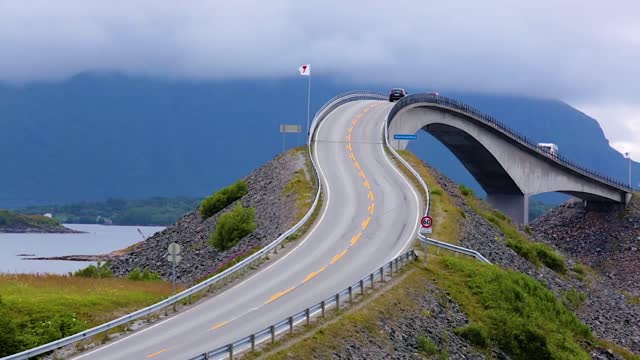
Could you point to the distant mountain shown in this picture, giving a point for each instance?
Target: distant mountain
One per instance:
(100, 136)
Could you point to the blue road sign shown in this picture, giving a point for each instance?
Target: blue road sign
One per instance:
(405, 137)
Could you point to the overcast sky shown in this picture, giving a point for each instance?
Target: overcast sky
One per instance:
(586, 53)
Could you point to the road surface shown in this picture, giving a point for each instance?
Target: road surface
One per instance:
(370, 216)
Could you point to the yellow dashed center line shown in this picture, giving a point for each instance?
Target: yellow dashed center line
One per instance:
(157, 353)
(366, 184)
(312, 275)
(372, 207)
(361, 174)
(338, 256)
(280, 294)
(215, 327)
(353, 157)
(355, 163)
(355, 239)
(371, 197)
(365, 223)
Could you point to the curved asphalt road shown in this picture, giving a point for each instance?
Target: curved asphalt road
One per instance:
(370, 216)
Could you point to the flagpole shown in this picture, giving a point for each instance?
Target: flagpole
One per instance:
(308, 103)
(629, 156)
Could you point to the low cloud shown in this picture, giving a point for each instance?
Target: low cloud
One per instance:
(582, 53)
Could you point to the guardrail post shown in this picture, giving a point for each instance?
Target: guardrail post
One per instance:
(275, 249)
(253, 342)
(371, 280)
(322, 307)
(230, 351)
(290, 325)
(362, 287)
(397, 268)
(338, 302)
(189, 300)
(206, 356)
(382, 273)
(307, 313)
(350, 295)
(391, 268)
(273, 334)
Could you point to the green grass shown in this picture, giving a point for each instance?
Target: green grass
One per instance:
(535, 252)
(574, 297)
(447, 218)
(43, 308)
(521, 316)
(304, 189)
(426, 345)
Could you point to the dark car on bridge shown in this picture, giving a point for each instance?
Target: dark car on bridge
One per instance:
(396, 94)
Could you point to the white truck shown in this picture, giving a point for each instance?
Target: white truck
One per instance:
(549, 148)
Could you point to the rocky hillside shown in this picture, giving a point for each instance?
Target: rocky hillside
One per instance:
(606, 240)
(421, 318)
(275, 213)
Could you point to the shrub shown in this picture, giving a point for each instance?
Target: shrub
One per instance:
(426, 346)
(436, 191)
(222, 198)
(466, 191)
(143, 275)
(475, 333)
(232, 227)
(98, 271)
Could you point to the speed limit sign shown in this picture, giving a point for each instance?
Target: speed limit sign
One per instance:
(426, 222)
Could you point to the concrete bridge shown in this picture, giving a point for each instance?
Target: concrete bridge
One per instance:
(508, 166)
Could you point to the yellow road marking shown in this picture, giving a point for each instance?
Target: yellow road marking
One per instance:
(337, 257)
(352, 157)
(220, 325)
(365, 110)
(365, 223)
(350, 129)
(313, 274)
(354, 121)
(355, 239)
(280, 294)
(157, 353)
(349, 138)
(372, 207)
(366, 184)
(371, 195)
(361, 174)
(356, 165)
(349, 146)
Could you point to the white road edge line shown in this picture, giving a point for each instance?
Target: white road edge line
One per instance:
(415, 194)
(325, 206)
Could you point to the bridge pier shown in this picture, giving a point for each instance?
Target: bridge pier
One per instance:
(516, 206)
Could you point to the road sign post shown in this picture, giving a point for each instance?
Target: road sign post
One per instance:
(174, 250)
(289, 128)
(426, 224)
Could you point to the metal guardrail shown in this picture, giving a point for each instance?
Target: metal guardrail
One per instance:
(488, 120)
(287, 325)
(459, 249)
(207, 284)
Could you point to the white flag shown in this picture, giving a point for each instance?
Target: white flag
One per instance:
(305, 70)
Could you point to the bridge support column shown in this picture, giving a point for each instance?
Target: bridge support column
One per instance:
(516, 206)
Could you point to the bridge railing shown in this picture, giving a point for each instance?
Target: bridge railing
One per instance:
(286, 326)
(486, 119)
(207, 285)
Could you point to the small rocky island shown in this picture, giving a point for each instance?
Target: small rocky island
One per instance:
(11, 222)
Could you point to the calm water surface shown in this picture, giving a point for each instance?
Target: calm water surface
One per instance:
(99, 239)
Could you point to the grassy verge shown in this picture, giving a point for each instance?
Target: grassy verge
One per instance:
(535, 252)
(511, 311)
(303, 186)
(447, 218)
(36, 309)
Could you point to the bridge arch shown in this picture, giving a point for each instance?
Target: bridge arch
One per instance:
(508, 166)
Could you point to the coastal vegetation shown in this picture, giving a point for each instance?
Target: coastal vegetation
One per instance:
(11, 221)
(153, 211)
